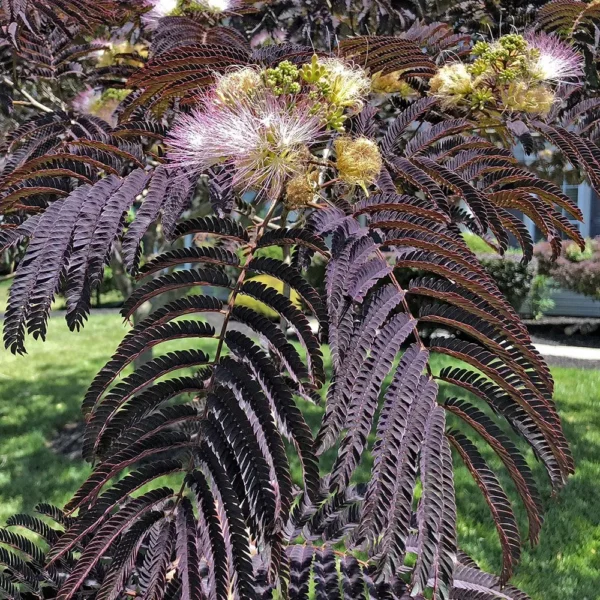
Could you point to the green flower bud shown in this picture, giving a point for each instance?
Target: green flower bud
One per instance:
(480, 48)
(314, 71)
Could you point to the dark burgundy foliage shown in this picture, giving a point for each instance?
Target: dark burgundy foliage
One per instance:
(191, 495)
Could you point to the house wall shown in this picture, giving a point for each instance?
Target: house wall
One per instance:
(567, 303)
(594, 214)
(570, 304)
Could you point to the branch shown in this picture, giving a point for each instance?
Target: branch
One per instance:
(31, 100)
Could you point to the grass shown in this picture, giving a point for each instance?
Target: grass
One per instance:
(4, 290)
(479, 246)
(41, 393)
(565, 563)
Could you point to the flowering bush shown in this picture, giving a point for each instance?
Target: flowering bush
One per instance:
(576, 270)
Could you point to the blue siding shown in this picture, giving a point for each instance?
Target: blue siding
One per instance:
(594, 215)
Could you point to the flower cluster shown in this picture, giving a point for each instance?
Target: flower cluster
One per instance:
(245, 83)
(359, 161)
(514, 73)
(264, 123)
(554, 60)
(392, 83)
(301, 189)
(333, 87)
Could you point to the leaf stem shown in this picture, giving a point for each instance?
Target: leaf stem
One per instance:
(240, 281)
(406, 307)
(286, 259)
(227, 315)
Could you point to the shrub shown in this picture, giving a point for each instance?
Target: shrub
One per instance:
(512, 276)
(518, 280)
(540, 295)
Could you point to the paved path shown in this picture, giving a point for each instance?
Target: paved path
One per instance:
(574, 352)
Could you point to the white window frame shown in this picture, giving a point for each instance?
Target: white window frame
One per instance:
(584, 202)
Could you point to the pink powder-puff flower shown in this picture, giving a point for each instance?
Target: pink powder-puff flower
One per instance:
(86, 100)
(554, 60)
(158, 10)
(101, 104)
(264, 140)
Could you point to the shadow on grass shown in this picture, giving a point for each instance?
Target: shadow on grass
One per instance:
(31, 413)
(39, 394)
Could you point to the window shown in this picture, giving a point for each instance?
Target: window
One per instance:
(581, 195)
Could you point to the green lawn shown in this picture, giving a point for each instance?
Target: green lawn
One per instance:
(41, 393)
(566, 563)
(4, 289)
